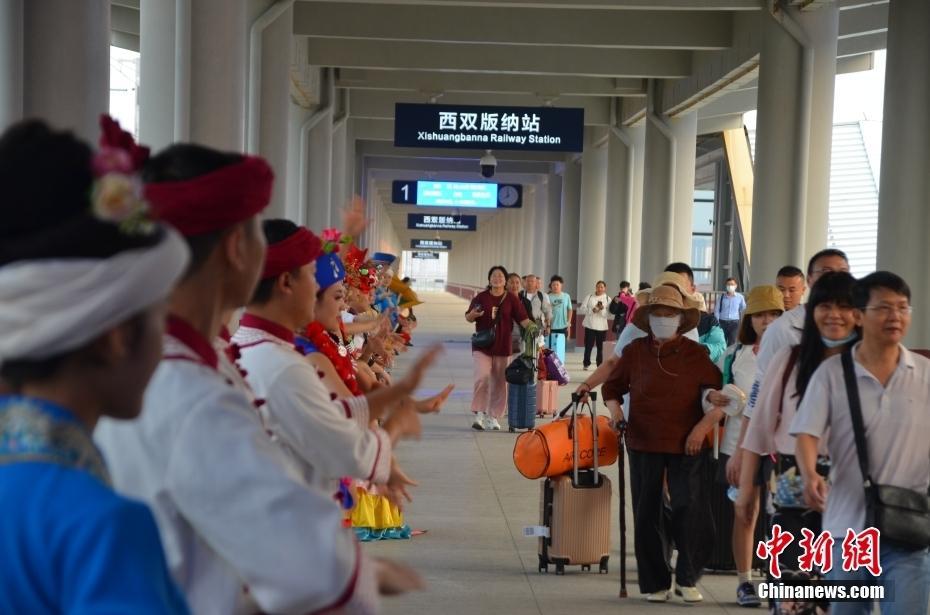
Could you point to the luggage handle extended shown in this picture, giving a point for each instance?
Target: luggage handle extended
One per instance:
(573, 429)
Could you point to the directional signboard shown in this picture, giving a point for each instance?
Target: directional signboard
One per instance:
(442, 223)
(428, 256)
(430, 244)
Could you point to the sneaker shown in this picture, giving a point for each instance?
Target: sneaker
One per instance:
(478, 421)
(690, 594)
(492, 424)
(746, 595)
(660, 596)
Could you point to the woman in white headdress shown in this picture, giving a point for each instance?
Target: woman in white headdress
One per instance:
(83, 278)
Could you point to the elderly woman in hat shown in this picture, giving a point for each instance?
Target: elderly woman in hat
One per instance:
(668, 377)
(763, 305)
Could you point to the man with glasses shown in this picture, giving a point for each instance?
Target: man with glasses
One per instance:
(892, 385)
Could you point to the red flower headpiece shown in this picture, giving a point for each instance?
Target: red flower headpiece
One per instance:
(360, 274)
(116, 195)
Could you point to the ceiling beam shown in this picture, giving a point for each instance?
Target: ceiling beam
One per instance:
(124, 19)
(540, 60)
(387, 150)
(380, 105)
(863, 20)
(364, 129)
(515, 26)
(637, 5)
(434, 81)
(861, 44)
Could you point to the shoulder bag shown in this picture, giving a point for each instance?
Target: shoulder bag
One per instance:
(485, 337)
(901, 515)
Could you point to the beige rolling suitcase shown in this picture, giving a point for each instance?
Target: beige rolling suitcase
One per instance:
(575, 507)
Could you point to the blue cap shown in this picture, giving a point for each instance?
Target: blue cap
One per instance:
(329, 270)
(383, 257)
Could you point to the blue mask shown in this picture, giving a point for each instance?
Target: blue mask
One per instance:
(837, 343)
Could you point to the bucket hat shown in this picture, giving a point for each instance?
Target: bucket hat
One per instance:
(669, 296)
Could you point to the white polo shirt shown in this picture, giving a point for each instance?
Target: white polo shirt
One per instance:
(897, 430)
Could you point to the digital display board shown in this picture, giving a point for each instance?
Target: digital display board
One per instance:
(430, 244)
(442, 223)
(489, 127)
(479, 195)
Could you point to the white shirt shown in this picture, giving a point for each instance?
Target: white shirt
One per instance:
(897, 431)
(231, 508)
(326, 439)
(595, 320)
(784, 332)
(744, 372)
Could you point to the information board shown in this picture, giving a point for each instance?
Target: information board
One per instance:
(489, 127)
(427, 256)
(480, 195)
(442, 223)
(430, 244)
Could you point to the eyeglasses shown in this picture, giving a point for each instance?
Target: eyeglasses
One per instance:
(887, 310)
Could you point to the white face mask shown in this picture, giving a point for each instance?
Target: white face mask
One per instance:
(731, 288)
(664, 327)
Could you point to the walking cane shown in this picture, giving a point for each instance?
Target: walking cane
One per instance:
(621, 429)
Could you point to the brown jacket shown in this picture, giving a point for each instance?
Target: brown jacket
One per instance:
(665, 391)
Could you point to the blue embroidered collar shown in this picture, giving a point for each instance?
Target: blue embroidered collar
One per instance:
(34, 430)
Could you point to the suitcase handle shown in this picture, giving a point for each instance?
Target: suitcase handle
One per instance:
(576, 403)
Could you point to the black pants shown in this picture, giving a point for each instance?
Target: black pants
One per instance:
(689, 525)
(730, 330)
(592, 337)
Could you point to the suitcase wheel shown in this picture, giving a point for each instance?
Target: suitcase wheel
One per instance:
(603, 566)
(543, 565)
(585, 567)
(560, 569)
(511, 429)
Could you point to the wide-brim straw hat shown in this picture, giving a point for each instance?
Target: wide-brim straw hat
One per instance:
(669, 296)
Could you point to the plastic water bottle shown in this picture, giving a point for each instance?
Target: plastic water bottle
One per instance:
(733, 493)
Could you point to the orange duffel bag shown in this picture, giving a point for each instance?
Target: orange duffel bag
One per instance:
(547, 450)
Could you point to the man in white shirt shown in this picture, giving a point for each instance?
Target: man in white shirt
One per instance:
(326, 438)
(242, 530)
(893, 386)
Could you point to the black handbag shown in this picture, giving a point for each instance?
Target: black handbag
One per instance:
(485, 337)
(520, 371)
(901, 515)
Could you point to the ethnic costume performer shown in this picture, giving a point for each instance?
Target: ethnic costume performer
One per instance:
(326, 437)
(243, 531)
(83, 278)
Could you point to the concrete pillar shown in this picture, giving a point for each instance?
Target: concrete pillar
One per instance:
(193, 71)
(684, 128)
(553, 226)
(638, 137)
(339, 197)
(794, 128)
(777, 214)
(658, 190)
(593, 215)
(273, 105)
(66, 68)
(163, 61)
(219, 61)
(320, 174)
(618, 220)
(11, 62)
(568, 223)
(904, 194)
(822, 27)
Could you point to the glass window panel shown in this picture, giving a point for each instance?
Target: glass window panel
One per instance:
(702, 248)
(703, 221)
(702, 278)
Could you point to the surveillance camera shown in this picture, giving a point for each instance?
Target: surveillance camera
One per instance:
(488, 164)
